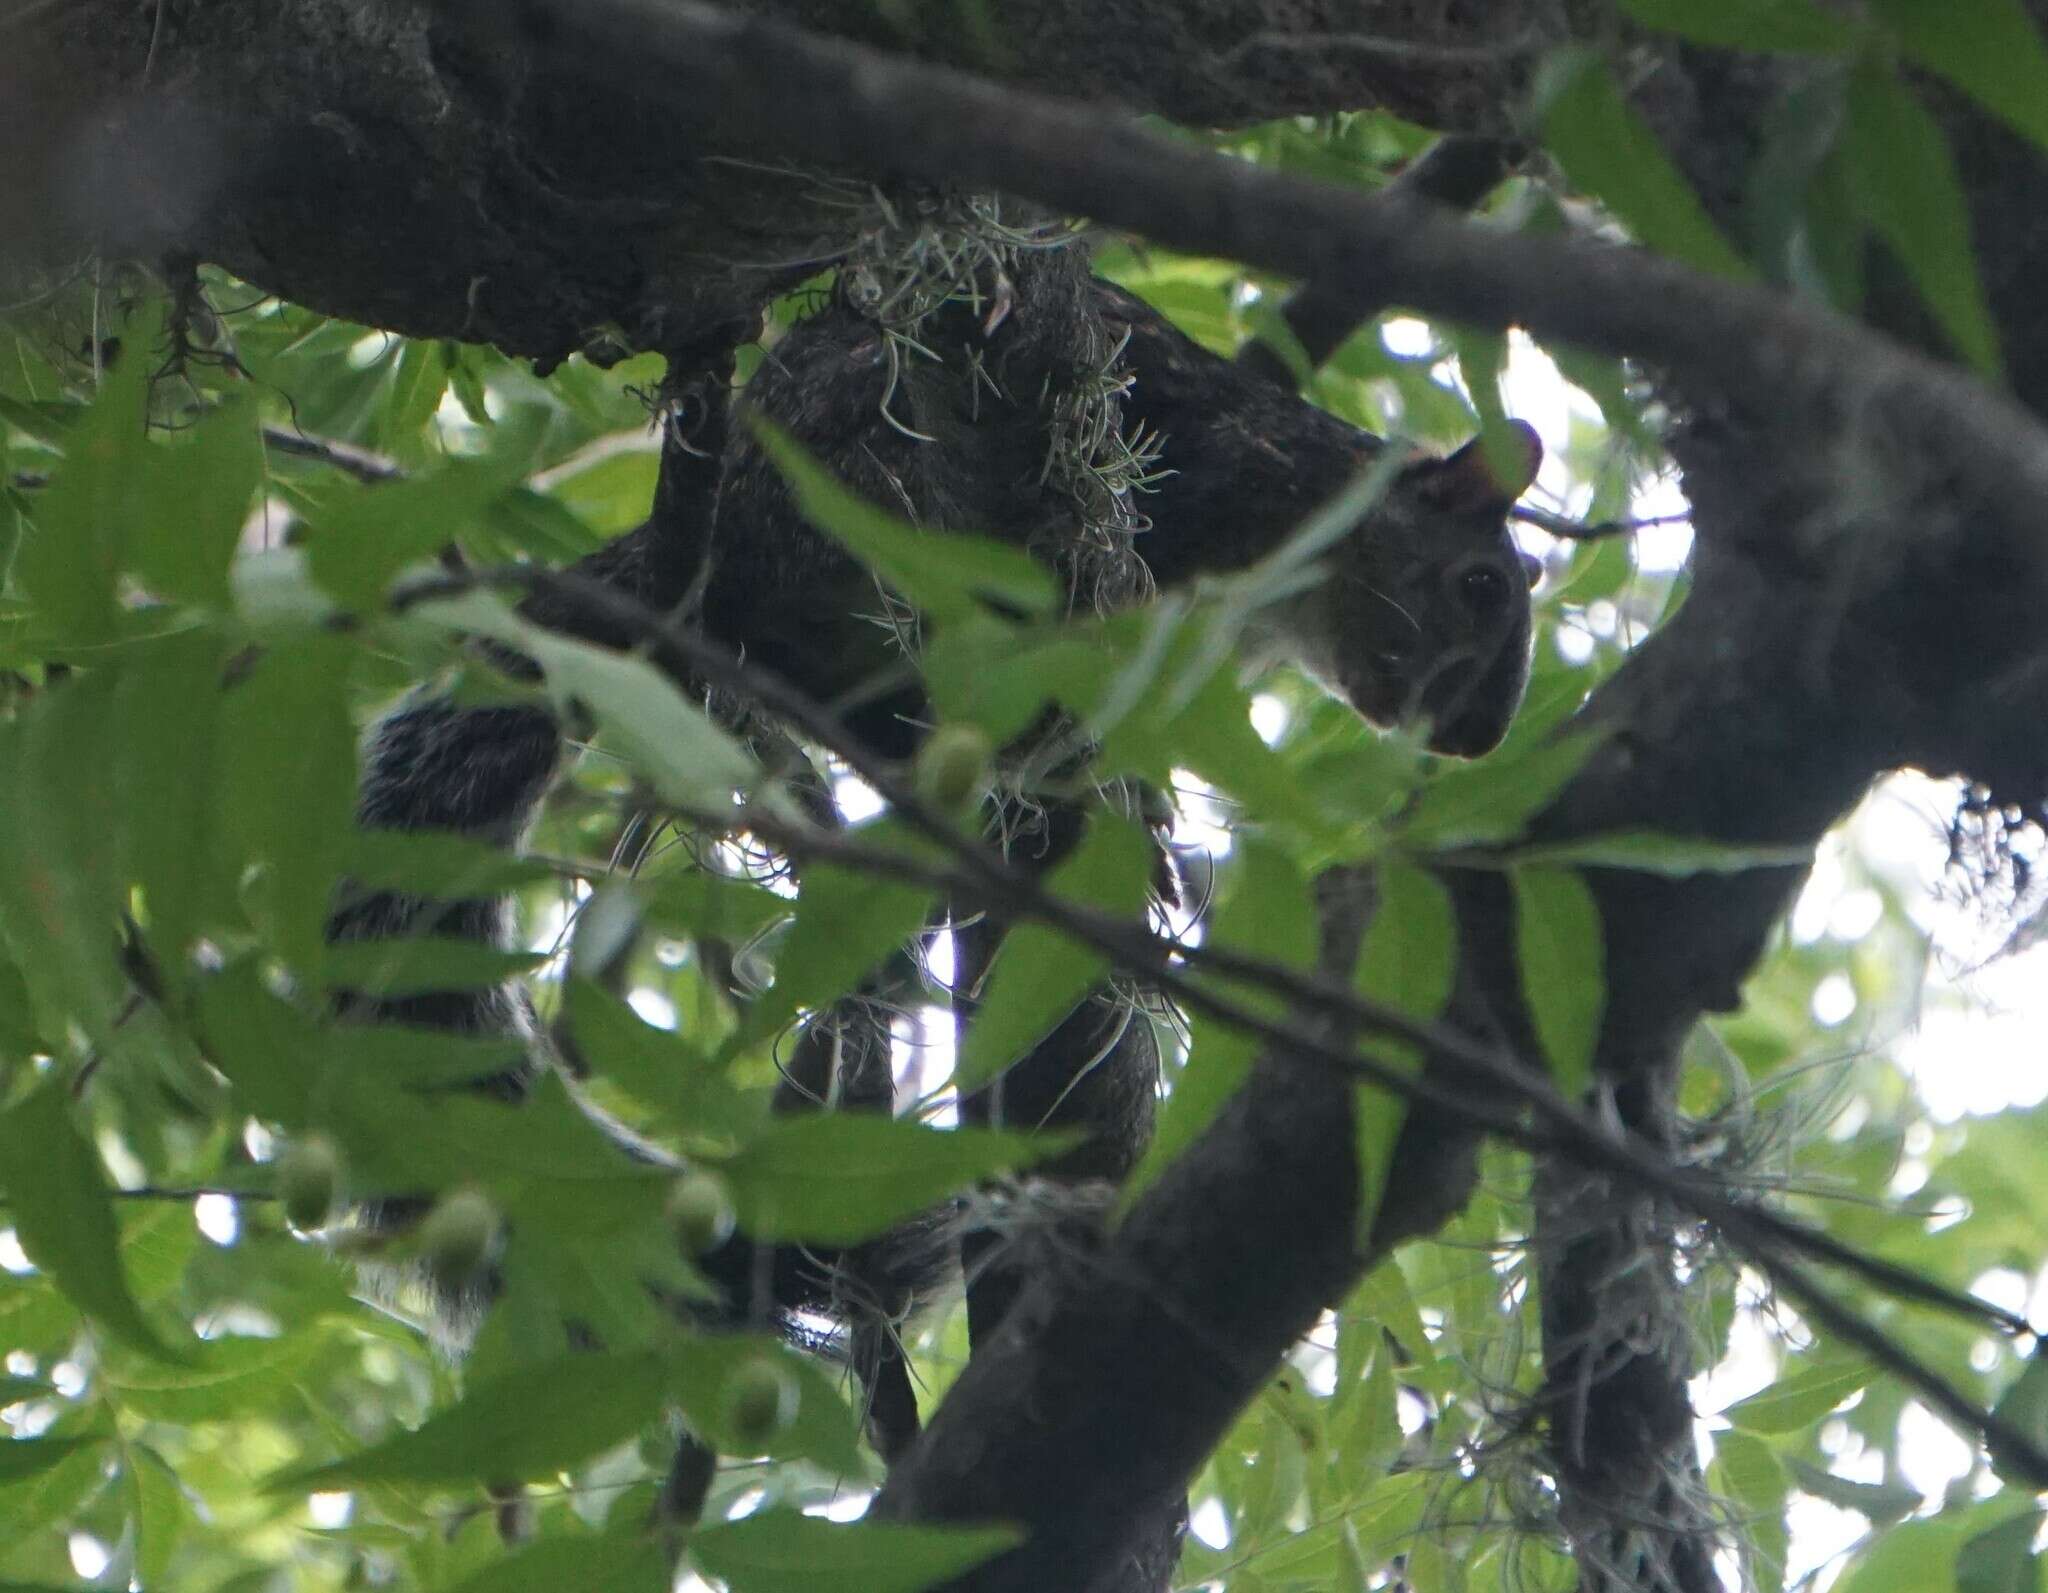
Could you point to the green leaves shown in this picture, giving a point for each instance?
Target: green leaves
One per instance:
(835, 1178)
(1040, 975)
(847, 923)
(1409, 963)
(666, 737)
(198, 492)
(1990, 49)
(84, 524)
(779, 1551)
(1797, 1401)
(1559, 949)
(1487, 803)
(1906, 183)
(527, 1423)
(286, 805)
(626, 1563)
(1266, 909)
(1890, 153)
(357, 547)
(658, 1067)
(2025, 1404)
(817, 1423)
(1670, 856)
(1790, 25)
(57, 1199)
(2001, 1559)
(167, 508)
(1610, 153)
(949, 575)
(58, 886)
(420, 964)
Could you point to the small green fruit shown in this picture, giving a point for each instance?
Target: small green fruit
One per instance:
(309, 1181)
(953, 765)
(760, 1402)
(700, 1211)
(455, 1237)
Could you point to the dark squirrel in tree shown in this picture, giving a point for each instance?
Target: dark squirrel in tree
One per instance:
(1424, 614)
(1008, 415)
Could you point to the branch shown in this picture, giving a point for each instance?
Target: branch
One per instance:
(364, 158)
(790, 92)
(366, 466)
(1455, 173)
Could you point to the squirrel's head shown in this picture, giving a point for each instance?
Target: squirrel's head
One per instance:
(1426, 613)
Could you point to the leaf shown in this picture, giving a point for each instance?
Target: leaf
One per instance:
(275, 595)
(1489, 802)
(1792, 26)
(13, 1390)
(160, 1513)
(1906, 183)
(780, 1551)
(57, 1199)
(1795, 1403)
(847, 924)
(1609, 151)
(983, 672)
(224, 1379)
(1884, 1503)
(286, 789)
(1560, 948)
(839, 1177)
(199, 490)
(704, 905)
(1990, 49)
(1213, 736)
(59, 889)
(84, 522)
(522, 521)
(421, 964)
(52, 1492)
(18, 1033)
(1750, 1471)
(946, 574)
(1265, 908)
(22, 1458)
(528, 1423)
(1040, 974)
(1922, 1554)
(1408, 962)
(1669, 856)
(2001, 1559)
(647, 721)
(823, 1428)
(419, 377)
(166, 708)
(2025, 1405)
(438, 864)
(356, 548)
(632, 1563)
(611, 493)
(657, 1066)
(670, 740)
(289, 1071)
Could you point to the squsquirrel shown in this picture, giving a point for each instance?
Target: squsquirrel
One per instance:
(1424, 613)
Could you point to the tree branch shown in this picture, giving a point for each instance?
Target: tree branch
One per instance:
(786, 91)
